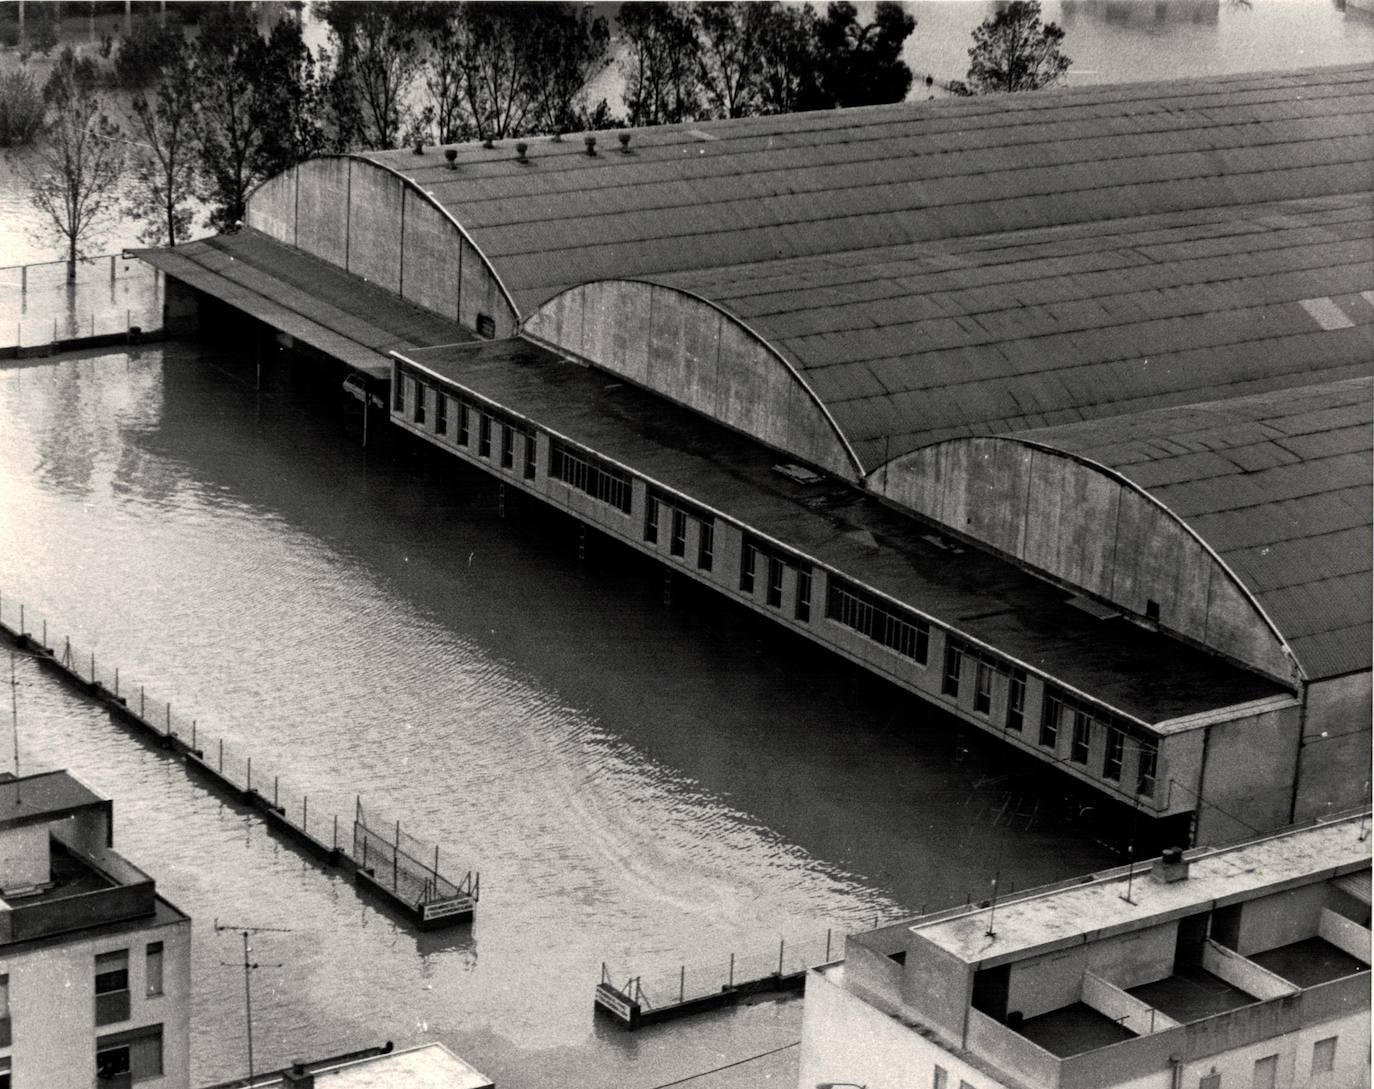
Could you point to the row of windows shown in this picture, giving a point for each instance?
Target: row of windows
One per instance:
(461, 413)
(589, 474)
(659, 509)
(112, 982)
(1057, 709)
(887, 624)
(775, 563)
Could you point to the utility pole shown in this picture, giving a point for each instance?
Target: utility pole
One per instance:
(249, 967)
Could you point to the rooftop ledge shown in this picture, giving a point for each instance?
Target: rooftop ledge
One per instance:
(87, 891)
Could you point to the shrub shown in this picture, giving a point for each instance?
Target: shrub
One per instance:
(21, 109)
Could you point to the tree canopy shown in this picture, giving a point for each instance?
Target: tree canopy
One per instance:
(1014, 51)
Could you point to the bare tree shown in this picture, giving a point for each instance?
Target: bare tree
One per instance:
(731, 68)
(165, 165)
(660, 64)
(73, 178)
(376, 59)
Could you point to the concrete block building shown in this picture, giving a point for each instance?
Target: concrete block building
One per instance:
(95, 966)
(1244, 966)
(1052, 409)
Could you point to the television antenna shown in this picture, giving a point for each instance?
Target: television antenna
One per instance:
(249, 967)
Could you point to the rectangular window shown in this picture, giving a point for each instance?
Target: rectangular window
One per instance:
(398, 393)
(1210, 1081)
(419, 402)
(748, 558)
(982, 689)
(1147, 769)
(5, 1072)
(1082, 737)
(5, 1039)
(483, 435)
(486, 326)
(651, 520)
(152, 974)
(1324, 1055)
(1266, 1072)
(874, 618)
(507, 447)
(112, 987)
(1111, 761)
(530, 447)
(954, 665)
(677, 542)
(127, 1058)
(940, 1079)
(706, 545)
(1016, 700)
(803, 610)
(590, 475)
(774, 594)
(440, 413)
(1049, 720)
(464, 422)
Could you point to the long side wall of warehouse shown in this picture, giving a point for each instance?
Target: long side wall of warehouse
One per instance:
(517, 451)
(372, 222)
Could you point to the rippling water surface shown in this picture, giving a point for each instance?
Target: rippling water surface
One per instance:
(640, 785)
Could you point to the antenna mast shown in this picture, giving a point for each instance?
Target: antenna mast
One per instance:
(249, 966)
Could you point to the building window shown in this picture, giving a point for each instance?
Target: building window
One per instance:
(954, 665)
(940, 1079)
(463, 423)
(748, 558)
(440, 413)
(706, 545)
(507, 447)
(677, 541)
(127, 1058)
(1049, 721)
(398, 393)
(1324, 1055)
(803, 609)
(774, 595)
(486, 326)
(530, 447)
(651, 520)
(112, 987)
(5, 1072)
(483, 435)
(5, 1038)
(1016, 700)
(889, 625)
(1111, 762)
(419, 416)
(982, 689)
(590, 475)
(1082, 736)
(1147, 769)
(1266, 1072)
(152, 975)
(1210, 1081)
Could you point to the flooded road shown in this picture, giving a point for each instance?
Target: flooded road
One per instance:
(639, 784)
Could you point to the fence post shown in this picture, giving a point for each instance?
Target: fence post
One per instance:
(275, 783)
(193, 735)
(250, 773)
(112, 268)
(682, 983)
(21, 619)
(732, 969)
(45, 631)
(781, 942)
(436, 866)
(169, 716)
(221, 756)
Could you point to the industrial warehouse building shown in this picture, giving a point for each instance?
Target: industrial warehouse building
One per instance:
(1053, 408)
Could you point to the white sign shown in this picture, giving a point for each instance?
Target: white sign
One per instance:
(439, 909)
(613, 1002)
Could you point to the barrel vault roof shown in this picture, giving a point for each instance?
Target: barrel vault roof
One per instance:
(1279, 485)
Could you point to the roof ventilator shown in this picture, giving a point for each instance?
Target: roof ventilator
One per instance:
(451, 154)
(487, 143)
(419, 147)
(520, 150)
(1171, 866)
(590, 141)
(625, 142)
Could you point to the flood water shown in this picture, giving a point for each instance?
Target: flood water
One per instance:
(639, 784)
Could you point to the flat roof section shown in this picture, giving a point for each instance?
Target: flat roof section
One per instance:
(1059, 918)
(1143, 674)
(1073, 1030)
(1309, 962)
(47, 796)
(314, 301)
(1192, 994)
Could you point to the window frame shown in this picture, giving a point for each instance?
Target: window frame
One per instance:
(953, 671)
(677, 532)
(982, 686)
(772, 594)
(802, 606)
(418, 408)
(748, 565)
(1016, 700)
(706, 544)
(1051, 720)
(153, 978)
(1081, 739)
(1114, 756)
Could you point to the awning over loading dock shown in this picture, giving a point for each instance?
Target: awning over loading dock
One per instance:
(313, 301)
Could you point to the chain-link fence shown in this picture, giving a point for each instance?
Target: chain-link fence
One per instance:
(110, 297)
(408, 867)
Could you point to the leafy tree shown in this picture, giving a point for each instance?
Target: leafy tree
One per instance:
(732, 37)
(446, 31)
(290, 101)
(230, 63)
(1014, 51)
(567, 47)
(496, 79)
(787, 59)
(166, 168)
(73, 178)
(860, 64)
(142, 54)
(661, 64)
(21, 109)
(378, 54)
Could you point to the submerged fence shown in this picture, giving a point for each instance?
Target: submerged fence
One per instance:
(391, 859)
(111, 298)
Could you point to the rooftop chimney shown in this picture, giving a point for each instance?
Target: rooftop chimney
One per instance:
(1171, 866)
(625, 142)
(590, 141)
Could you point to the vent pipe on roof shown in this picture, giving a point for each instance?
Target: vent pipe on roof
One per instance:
(557, 136)
(520, 150)
(590, 141)
(486, 143)
(625, 142)
(451, 154)
(419, 147)
(1171, 866)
